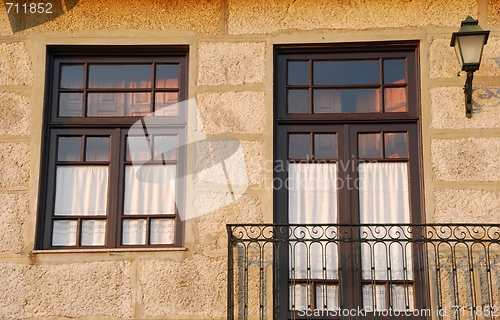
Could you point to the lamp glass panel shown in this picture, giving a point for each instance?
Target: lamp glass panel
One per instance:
(471, 47)
(458, 52)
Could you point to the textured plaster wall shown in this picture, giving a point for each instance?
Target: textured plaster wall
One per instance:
(15, 64)
(65, 290)
(230, 63)
(162, 284)
(470, 159)
(447, 108)
(231, 78)
(15, 208)
(5, 27)
(15, 114)
(201, 17)
(14, 165)
(264, 16)
(219, 115)
(458, 206)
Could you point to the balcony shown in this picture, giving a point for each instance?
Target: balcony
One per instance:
(411, 271)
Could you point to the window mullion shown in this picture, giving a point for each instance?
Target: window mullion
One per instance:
(115, 189)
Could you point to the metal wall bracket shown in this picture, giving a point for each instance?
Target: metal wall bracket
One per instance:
(468, 94)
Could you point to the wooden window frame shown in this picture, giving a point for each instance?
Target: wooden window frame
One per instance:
(114, 126)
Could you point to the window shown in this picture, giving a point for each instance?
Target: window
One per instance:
(103, 184)
(347, 144)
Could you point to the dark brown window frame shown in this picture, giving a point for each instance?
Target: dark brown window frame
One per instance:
(116, 128)
(347, 126)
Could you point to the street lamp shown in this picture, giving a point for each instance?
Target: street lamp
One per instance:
(468, 43)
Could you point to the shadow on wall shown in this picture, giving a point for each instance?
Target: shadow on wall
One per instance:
(24, 14)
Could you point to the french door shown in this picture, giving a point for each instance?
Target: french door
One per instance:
(347, 160)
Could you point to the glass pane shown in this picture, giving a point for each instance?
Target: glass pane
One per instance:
(325, 146)
(138, 149)
(134, 231)
(402, 297)
(299, 146)
(327, 297)
(369, 145)
(369, 303)
(81, 190)
(120, 76)
(112, 104)
(166, 104)
(150, 190)
(167, 76)
(165, 147)
(64, 233)
(471, 47)
(394, 71)
(93, 232)
(346, 72)
(395, 100)
(162, 231)
(72, 77)
(298, 101)
(138, 104)
(300, 296)
(69, 149)
(298, 72)
(97, 149)
(107, 104)
(346, 100)
(70, 104)
(396, 145)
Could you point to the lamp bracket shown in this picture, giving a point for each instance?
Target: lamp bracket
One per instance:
(468, 94)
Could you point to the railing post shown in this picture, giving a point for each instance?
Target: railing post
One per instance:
(230, 275)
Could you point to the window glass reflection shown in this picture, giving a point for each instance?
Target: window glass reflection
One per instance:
(325, 146)
(70, 104)
(298, 101)
(165, 147)
(167, 76)
(394, 71)
(72, 77)
(369, 145)
(346, 72)
(113, 104)
(299, 146)
(166, 104)
(69, 148)
(97, 149)
(346, 100)
(395, 145)
(120, 76)
(298, 72)
(395, 100)
(138, 149)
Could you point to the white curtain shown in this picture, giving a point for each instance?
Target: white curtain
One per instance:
(81, 190)
(384, 198)
(312, 199)
(134, 231)
(64, 233)
(151, 190)
(162, 231)
(93, 232)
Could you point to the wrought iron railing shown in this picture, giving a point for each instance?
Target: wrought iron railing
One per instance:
(385, 271)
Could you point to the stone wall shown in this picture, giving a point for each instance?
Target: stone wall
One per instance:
(231, 78)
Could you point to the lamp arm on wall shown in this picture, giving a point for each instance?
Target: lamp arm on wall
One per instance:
(468, 94)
